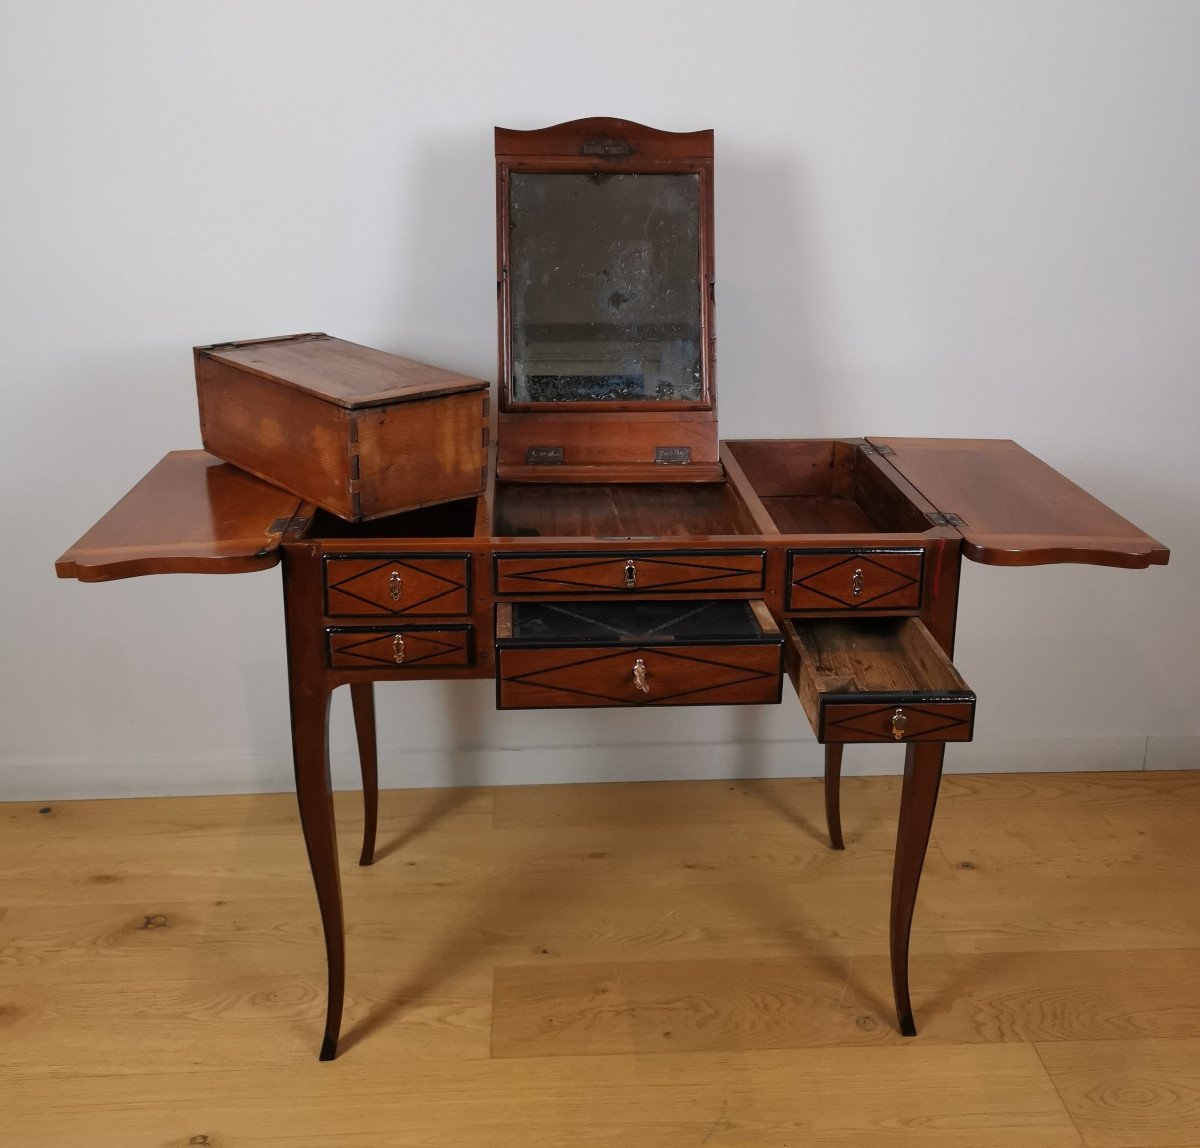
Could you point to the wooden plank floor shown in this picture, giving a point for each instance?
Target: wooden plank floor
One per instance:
(652, 966)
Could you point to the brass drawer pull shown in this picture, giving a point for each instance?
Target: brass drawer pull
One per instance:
(639, 676)
(857, 581)
(630, 574)
(398, 649)
(395, 585)
(899, 722)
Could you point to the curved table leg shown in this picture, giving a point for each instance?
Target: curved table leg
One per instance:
(833, 794)
(918, 798)
(314, 794)
(362, 701)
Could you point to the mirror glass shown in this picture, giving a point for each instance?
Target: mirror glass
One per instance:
(604, 275)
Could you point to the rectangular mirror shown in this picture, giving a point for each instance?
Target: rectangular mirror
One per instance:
(605, 284)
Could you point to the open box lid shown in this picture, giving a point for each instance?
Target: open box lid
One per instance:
(191, 514)
(1014, 510)
(345, 374)
(604, 282)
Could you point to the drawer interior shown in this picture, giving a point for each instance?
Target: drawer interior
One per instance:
(860, 668)
(855, 658)
(634, 622)
(823, 486)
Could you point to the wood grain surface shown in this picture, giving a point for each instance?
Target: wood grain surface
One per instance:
(1012, 509)
(657, 964)
(191, 514)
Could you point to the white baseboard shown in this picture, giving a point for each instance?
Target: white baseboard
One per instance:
(25, 780)
(1180, 751)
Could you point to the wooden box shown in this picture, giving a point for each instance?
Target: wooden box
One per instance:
(359, 432)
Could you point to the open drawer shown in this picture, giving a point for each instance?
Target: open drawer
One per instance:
(877, 680)
(636, 653)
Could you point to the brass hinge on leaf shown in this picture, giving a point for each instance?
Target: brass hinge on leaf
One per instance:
(940, 518)
(881, 448)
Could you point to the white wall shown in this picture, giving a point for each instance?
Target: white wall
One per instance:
(933, 218)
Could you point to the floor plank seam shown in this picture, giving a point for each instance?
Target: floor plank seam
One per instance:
(1037, 1051)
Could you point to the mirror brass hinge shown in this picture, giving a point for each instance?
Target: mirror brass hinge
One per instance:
(939, 518)
(544, 456)
(283, 525)
(672, 455)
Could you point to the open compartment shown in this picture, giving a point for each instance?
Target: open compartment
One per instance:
(827, 486)
(449, 520)
(619, 511)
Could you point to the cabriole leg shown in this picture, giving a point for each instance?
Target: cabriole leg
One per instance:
(833, 794)
(918, 798)
(362, 701)
(314, 794)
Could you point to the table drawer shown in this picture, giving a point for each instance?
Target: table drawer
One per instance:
(877, 680)
(397, 584)
(401, 647)
(861, 580)
(691, 571)
(652, 654)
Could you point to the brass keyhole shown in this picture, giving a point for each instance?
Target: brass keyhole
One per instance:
(398, 649)
(395, 585)
(857, 581)
(630, 574)
(639, 676)
(899, 722)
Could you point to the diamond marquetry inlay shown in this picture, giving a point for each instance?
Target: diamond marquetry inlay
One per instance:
(396, 585)
(856, 581)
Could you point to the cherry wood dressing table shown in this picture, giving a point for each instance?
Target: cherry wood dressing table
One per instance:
(619, 553)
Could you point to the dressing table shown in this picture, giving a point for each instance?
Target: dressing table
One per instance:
(620, 554)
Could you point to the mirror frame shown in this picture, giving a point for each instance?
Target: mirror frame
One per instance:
(604, 145)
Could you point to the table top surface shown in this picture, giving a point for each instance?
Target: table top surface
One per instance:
(193, 513)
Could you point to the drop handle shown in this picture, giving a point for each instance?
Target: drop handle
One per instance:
(398, 649)
(639, 677)
(630, 574)
(395, 585)
(857, 581)
(899, 723)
